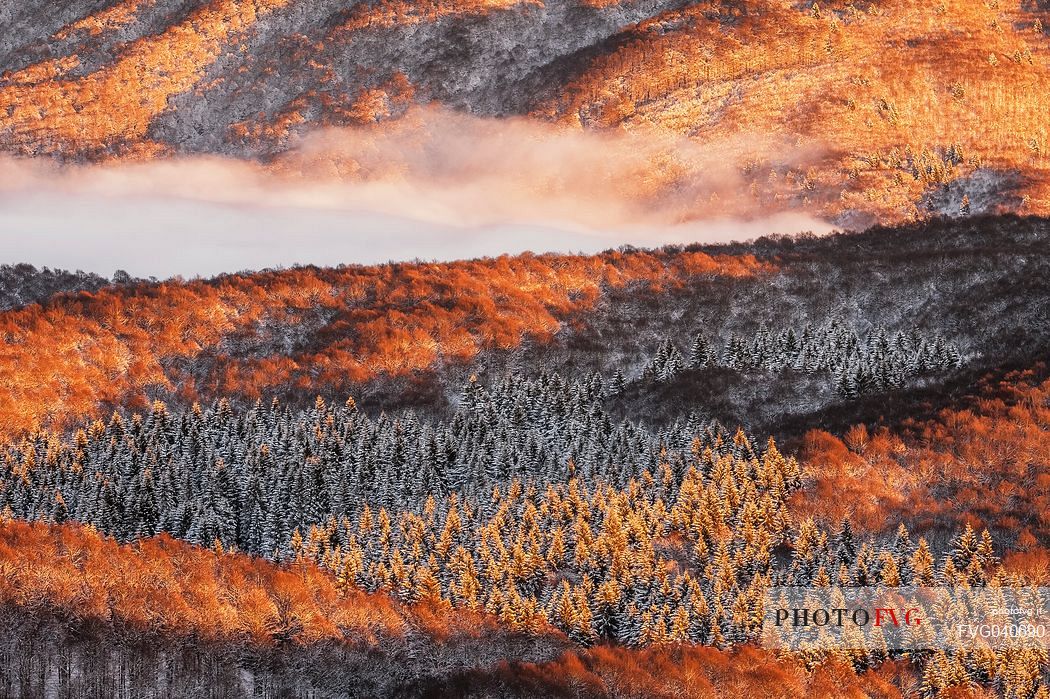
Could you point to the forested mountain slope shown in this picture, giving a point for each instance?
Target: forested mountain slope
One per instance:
(23, 284)
(223, 625)
(791, 327)
(849, 111)
(534, 474)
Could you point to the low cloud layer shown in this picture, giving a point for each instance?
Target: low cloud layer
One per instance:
(433, 185)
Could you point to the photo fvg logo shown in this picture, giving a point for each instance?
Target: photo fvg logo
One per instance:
(860, 617)
(880, 619)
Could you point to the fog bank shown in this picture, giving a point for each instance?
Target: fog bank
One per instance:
(433, 185)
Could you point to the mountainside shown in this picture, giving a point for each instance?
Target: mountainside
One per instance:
(536, 475)
(283, 632)
(641, 472)
(852, 112)
(409, 334)
(523, 475)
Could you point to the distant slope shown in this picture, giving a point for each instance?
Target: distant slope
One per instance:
(24, 284)
(891, 110)
(303, 330)
(410, 334)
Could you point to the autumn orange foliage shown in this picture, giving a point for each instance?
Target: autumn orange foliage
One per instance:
(161, 585)
(884, 102)
(127, 345)
(109, 19)
(118, 102)
(869, 112)
(165, 586)
(395, 13)
(700, 672)
(986, 466)
(390, 99)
